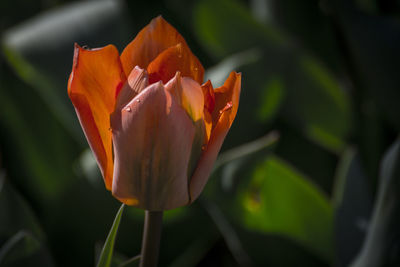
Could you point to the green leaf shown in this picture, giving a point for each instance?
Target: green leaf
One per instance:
(41, 49)
(381, 244)
(265, 198)
(108, 248)
(319, 104)
(305, 93)
(218, 38)
(278, 199)
(272, 96)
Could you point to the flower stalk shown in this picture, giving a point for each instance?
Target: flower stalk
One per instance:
(151, 238)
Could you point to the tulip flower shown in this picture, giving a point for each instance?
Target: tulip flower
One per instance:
(152, 125)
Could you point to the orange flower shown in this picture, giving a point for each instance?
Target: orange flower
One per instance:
(154, 130)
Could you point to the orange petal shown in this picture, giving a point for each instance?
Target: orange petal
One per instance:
(209, 97)
(188, 94)
(176, 58)
(227, 101)
(208, 125)
(209, 104)
(229, 92)
(95, 80)
(152, 139)
(150, 42)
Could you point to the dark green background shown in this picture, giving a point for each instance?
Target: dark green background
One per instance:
(301, 180)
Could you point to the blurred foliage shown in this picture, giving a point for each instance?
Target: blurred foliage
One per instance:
(303, 178)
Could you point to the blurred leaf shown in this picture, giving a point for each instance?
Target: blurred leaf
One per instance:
(212, 28)
(248, 150)
(256, 87)
(24, 121)
(15, 214)
(24, 249)
(260, 10)
(229, 234)
(41, 49)
(265, 196)
(118, 259)
(272, 98)
(321, 106)
(382, 243)
(21, 245)
(218, 74)
(372, 41)
(319, 164)
(277, 199)
(353, 204)
(19, 229)
(37, 80)
(312, 99)
(308, 25)
(108, 249)
(135, 261)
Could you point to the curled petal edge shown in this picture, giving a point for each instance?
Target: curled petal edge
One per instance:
(95, 80)
(226, 116)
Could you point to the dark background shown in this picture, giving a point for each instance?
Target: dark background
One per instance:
(308, 175)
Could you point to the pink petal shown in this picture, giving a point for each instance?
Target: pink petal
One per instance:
(136, 82)
(152, 138)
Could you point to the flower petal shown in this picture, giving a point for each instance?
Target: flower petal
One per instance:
(96, 78)
(188, 94)
(209, 104)
(226, 103)
(176, 58)
(152, 139)
(137, 81)
(209, 97)
(229, 92)
(150, 42)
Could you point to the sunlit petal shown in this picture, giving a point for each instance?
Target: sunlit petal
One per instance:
(152, 40)
(188, 94)
(176, 58)
(227, 101)
(95, 80)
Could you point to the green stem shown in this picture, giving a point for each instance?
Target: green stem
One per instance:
(151, 238)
